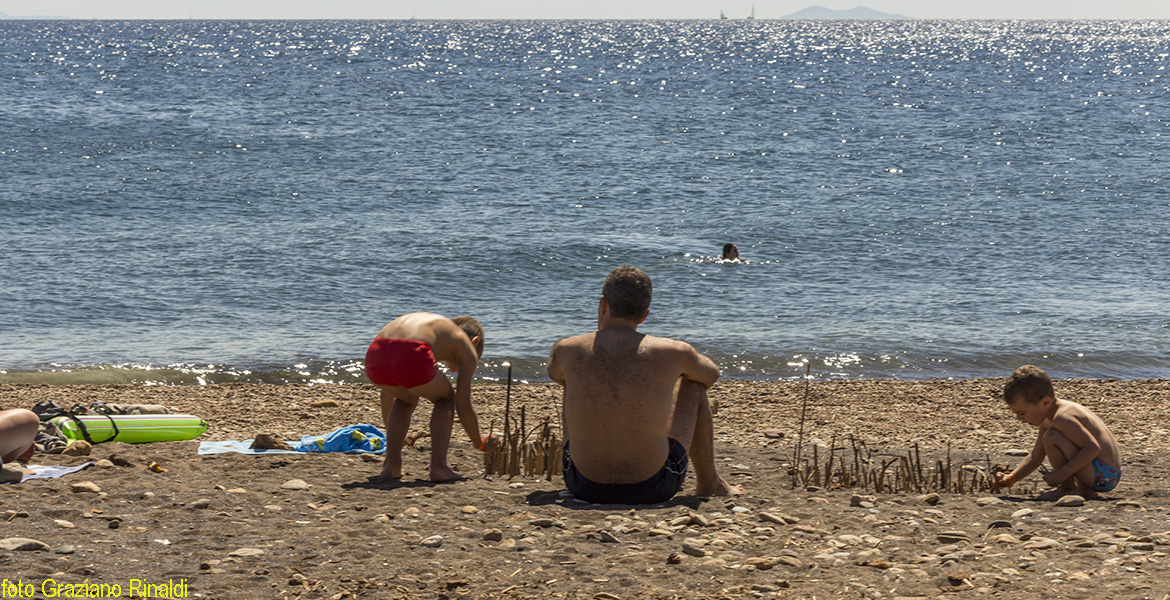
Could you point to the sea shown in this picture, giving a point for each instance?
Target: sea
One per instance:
(196, 202)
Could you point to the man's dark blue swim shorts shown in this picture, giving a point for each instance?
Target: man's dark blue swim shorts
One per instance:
(662, 486)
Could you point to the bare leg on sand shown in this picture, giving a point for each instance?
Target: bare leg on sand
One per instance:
(692, 425)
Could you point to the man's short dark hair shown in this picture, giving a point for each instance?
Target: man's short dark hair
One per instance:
(627, 290)
(1029, 383)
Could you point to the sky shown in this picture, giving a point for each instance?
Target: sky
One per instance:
(574, 9)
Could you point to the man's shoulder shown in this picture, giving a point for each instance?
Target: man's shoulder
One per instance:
(576, 340)
(668, 344)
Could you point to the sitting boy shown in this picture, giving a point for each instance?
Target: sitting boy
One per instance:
(1084, 456)
(403, 361)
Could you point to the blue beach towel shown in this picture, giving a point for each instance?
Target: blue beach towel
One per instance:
(361, 438)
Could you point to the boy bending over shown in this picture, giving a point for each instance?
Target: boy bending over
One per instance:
(403, 362)
(1084, 456)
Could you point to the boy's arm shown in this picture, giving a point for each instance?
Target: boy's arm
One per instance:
(1088, 444)
(463, 406)
(1034, 459)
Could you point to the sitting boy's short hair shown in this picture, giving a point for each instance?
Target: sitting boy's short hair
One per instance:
(627, 290)
(1030, 383)
(472, 328)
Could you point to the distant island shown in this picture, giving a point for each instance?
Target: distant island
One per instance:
(860, 12)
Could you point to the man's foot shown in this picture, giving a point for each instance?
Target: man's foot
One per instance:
(442, 474)
(720, 488)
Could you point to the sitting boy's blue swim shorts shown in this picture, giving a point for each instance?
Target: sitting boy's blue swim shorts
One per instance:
(1105, 476)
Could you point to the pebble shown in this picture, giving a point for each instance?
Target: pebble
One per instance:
(953, 537)
(469, 510)
(78, 448)
(85, 487)
(105, 464)
(999, 524)
(608, 537)
(1023, 512)
(790, 561)
(543, 523)
(985, 500)
(324, 404)
(295, 484)
(432, 542)
(779, 519)
(66, 549)
(931, 498)
(23, 544)
(1071, 500)
(693, 549)
(1015, 452)
(201, 503)
(64, 523)
(760, 563)
(699, 519)
(493, 535)
(858, 500)
(242, 552)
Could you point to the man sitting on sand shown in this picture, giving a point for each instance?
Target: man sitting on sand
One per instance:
(635, 406)
(1085, 457)
(18, 432)
(403, 361)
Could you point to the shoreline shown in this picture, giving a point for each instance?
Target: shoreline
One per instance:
(231, 524)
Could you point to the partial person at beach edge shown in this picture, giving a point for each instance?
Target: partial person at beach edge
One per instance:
(18, 432)
(635, 409)
(403, 362)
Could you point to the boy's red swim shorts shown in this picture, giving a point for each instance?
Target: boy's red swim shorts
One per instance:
(400, 362)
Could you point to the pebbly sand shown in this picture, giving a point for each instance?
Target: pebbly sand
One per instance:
(226, 526)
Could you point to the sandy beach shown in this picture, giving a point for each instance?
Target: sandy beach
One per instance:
(240, 526)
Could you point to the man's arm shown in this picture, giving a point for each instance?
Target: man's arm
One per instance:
(554, 365)
(699, 368)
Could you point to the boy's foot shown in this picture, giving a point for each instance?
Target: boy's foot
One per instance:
(721, 488)
(1055, 494)
(441, 474)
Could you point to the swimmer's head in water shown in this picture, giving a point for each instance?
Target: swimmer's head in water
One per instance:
(730, 251)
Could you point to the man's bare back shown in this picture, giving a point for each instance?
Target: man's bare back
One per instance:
(627, 395)
(619, 395)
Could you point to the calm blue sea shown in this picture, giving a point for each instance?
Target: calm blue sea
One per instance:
(204, 201)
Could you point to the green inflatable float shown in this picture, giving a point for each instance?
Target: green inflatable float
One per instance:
(132, 429)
